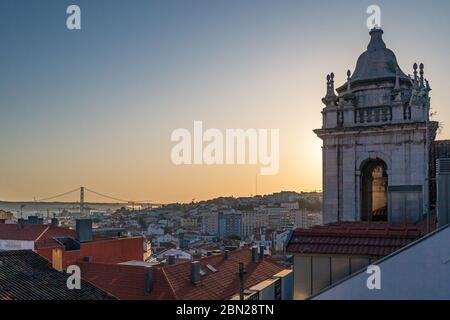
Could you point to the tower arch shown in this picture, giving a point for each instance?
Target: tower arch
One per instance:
(374, 186)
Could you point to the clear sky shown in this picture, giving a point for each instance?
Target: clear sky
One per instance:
(96, 107)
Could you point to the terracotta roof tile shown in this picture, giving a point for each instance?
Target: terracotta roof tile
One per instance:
(224, 283)
(174, 282)
(30, 232)
(353, 238)
(126, 282)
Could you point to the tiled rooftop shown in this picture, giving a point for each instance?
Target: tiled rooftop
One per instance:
(224, 283)
(353, 238)
(24, 275)
(30, 232)
(126, 282)
(42, 235)
(174, 282)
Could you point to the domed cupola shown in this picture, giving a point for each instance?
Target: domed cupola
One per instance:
(376, 64)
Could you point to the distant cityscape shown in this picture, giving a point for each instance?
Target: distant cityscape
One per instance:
(188, 230)
(205, 241)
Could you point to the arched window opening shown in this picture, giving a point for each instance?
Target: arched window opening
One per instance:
(374, 191)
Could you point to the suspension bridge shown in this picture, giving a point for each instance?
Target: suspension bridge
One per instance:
(82, 191)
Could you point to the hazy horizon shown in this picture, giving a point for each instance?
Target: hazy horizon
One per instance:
(144, 203)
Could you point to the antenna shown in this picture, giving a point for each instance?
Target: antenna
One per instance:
(241, 274)
(36, 206)
(21, 210)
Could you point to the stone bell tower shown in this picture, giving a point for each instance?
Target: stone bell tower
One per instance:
(375, 150)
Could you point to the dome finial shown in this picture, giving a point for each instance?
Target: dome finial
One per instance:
(376, 40)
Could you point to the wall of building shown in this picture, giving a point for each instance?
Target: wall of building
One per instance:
(287, 285)
(106, 251)
(229, 225)
(313, 273)
(253, 221)
(419, 271)
(9, 245)
(403, 151)
(210, 223)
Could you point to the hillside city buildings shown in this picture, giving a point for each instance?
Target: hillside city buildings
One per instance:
(139, 254)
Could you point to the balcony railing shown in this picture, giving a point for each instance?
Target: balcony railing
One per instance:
(373, 115)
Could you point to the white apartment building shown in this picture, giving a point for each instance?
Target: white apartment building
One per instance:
(210, 223)
(306, 219)
(290, 205)
(252, 221)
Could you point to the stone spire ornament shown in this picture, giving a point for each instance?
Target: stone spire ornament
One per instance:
(421, 74)
(415, 71)
(397, 79)
(349, 85)
(427, 85)
(397, 89)
(332, 82)
(330, 97)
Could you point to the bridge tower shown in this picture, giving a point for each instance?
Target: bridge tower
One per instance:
(82, 201)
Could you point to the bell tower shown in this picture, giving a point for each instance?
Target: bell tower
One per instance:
(376, 135)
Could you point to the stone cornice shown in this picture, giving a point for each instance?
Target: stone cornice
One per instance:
(376, 129)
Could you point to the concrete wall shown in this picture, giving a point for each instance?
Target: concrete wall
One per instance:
(313, 273)
(8, 245)
(403, 151)
(105, 251)
(287, 286)
(419, 271)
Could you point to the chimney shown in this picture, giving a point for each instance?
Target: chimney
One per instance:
(171, 260)
(261, 253)
(274, 240)
(148, 280)
(55, 222)
(21, 223)
(195, 272)
(57, 259)
(33, 220)
(84, 230)
(254, 254)
(226, 254)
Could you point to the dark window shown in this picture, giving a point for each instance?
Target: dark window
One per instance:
(254, 296)
(374, 185)
(278, 289)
